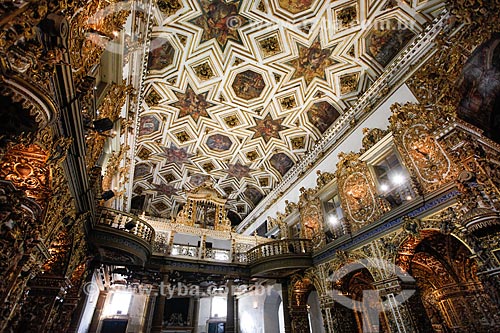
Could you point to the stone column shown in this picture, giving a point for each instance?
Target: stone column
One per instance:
(230, 315)
(286, 306)
(407, 316)
(196, 312)
(170, 242)
(159, 309)
(326, 312)
(148, 318)
(94, 324)
(77, 314)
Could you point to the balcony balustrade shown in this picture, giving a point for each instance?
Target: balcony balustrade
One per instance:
(126, 222)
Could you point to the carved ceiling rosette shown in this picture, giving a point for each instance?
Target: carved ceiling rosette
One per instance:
(422, 154)
(357, 191)
(311, 218)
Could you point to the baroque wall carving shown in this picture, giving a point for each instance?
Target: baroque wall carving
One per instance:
(357, 191)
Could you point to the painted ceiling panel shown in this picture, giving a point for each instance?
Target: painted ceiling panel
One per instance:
(237, 92)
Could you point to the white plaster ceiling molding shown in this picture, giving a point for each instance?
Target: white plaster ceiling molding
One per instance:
(239, 92)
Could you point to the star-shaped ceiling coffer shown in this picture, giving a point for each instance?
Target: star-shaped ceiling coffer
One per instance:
(173, 154)
(220, 20)
(191, 104)
(164, 189)
(238, 171)
(237, 92)
(267, 128)
(311, 62)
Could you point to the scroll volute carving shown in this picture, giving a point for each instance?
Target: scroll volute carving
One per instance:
(311, 218)
(422, 154)
(357, 191)
(26, 168)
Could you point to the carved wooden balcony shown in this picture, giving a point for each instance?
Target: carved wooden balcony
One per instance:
(280, 258)
(122, 238)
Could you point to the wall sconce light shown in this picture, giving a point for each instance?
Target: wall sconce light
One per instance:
(255, 304)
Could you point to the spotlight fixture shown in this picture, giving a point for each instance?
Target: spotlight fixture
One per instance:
(397, 179)
(333, 220)
(107, 195)
(103, 125)
(384, 187)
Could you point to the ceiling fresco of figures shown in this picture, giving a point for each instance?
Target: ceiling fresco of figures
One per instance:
(237, 92)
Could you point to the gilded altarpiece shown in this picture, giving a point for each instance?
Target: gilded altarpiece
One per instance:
(311, 218)
(357, 191)
(422, 154)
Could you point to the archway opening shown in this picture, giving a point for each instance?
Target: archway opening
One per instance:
(273, 313)
(451, 292)
(351, 317)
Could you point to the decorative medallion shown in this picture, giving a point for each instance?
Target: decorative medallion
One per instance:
(252, 155)
(209, 166)
(169, 177)
(270, 46)
(322, 115)
(161, 54)
(232, 121)
(169, 7)
(359, 199)
(160, 206)
(281, 162)
(348, 83)
(248, 85)
(204, 71)
(346, 17)
(288, 102)
(298, 142)
(386, 39)
(153, 98)
(144, 153)
(219, 142)
(182, 136)
(296, 6)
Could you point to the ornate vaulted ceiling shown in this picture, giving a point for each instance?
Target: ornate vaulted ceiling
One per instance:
(236, 92)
